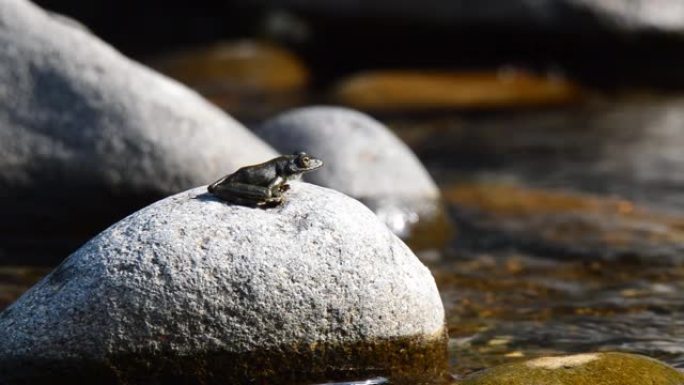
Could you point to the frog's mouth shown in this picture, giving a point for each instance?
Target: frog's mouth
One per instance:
(314, 164)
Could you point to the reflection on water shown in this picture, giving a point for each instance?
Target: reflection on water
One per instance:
(627, 147)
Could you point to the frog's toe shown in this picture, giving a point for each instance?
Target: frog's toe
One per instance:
(241, 202)
(272, 202)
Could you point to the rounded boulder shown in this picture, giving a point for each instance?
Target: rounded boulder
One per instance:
(365, 160)
(193, 288)
(88, 136)
(581, 369)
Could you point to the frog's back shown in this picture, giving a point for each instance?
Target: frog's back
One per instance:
(260, 174)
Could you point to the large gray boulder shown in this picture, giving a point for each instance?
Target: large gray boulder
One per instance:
(363, 159)
(88, 136)
(194, 288)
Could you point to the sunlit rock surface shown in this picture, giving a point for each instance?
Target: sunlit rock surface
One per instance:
(365, 160)
(194, 289)
(88, 136)
(581, 369)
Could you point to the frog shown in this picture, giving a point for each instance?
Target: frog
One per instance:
(263, 185)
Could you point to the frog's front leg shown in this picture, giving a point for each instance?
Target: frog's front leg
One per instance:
(276, 186)
(245, 194)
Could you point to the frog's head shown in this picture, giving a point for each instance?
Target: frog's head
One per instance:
(301, 162)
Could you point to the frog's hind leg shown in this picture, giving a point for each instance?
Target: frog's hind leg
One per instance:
(242, 190)
(246, 194)
(242, 202)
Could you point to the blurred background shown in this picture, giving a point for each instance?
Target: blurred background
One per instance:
(605, 43)
(554, 129)
(565, 93)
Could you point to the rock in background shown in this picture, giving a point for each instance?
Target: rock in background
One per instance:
(579, 369)
(565, 225)
(624, 16)
(87, 136)
(604, 42)
(248, 78)
(194, 289)
(365, 160)
(620, 42)
(627, 147)
(429, 91)
(598, 181)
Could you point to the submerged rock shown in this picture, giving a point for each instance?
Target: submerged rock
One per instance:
(193, 289)
(365, 160)
(88, 136)
(237, 65)
(245, 77)
(565, 224)
(581, 369)
(431, 90)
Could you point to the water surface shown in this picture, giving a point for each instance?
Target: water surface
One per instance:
(570, 230)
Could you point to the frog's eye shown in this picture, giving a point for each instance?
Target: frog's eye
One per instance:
(304, 161)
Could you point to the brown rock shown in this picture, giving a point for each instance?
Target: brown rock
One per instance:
(415, 90)
(568, 224)
(235, 75)
(581, 369)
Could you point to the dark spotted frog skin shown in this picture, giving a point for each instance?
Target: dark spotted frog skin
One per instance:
(262, 185)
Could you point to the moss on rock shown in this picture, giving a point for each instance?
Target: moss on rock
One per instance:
(581, 369)
(406, 360)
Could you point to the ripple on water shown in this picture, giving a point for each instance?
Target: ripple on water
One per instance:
(506, 307)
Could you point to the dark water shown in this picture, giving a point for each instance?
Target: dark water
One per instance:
(630, 147)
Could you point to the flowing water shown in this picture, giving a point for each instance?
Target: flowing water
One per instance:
(570, 230)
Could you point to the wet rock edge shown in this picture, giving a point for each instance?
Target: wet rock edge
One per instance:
(405, 360)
